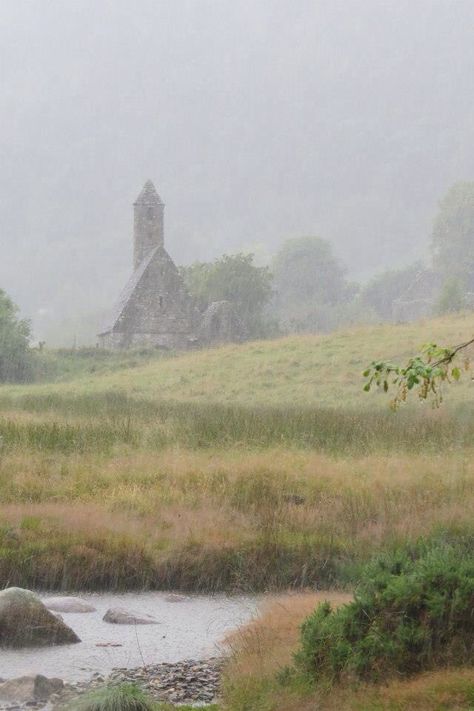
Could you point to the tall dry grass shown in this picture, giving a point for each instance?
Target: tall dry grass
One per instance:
(211, 519)
(114, 488)
(266, 645)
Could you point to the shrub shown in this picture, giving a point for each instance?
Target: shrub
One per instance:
(124, 697)
(409, 614)
(234, 278)
(15, 354)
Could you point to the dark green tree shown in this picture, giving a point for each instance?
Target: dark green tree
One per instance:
(234, 278)
(15, 354)
(196, 277)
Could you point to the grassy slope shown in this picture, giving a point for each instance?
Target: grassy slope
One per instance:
(100, 491)
(321, 370)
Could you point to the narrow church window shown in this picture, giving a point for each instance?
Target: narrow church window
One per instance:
(150, 213)
(161, 302)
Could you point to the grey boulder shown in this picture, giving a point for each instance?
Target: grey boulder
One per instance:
(27, 689)
(26, 622)
(118, 616)
(68, 604)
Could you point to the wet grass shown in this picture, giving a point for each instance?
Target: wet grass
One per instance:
(194, 472)
(98, 421)
(122, 697)
(233, 519)
(323, 371)
(63, 364)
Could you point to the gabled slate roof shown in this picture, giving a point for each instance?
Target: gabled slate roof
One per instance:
(127, 292)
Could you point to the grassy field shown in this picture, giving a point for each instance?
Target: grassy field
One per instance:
(252, 467)
(322, 371)
(260, 467)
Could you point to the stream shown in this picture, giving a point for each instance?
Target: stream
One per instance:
(190, 627)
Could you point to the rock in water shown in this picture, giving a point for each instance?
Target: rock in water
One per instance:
(118, 616)
(174, 597)
(26, 622)
(28, 689)
(68, 604)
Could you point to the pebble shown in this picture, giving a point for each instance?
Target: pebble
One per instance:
(189, 681)
(194, 682)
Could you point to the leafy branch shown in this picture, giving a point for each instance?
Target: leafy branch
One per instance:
(425, 372)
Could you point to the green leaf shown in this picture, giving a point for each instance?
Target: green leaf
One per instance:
(456, 373)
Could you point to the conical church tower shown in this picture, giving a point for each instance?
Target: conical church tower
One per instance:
(154, 309)
(148, 223)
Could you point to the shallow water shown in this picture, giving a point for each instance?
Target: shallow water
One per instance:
(189, 629)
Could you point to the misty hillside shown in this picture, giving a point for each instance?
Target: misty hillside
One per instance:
(297, 370)
(346, 120)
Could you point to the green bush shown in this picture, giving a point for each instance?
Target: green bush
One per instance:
(125, 697)
(410, 614)
(15, 353)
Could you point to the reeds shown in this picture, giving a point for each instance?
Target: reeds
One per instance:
(108, 481)
(238, 519)
(99, 421)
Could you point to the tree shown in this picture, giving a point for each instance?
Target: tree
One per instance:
(306, 270)
(196, 277)
(384, 288)
(233, 278)
(15, 355)
(309, 280)
(453, 235)
(451, 298)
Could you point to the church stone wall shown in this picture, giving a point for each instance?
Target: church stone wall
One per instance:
(159, 312)
(155, 308)
(117, 340)
(148, 226)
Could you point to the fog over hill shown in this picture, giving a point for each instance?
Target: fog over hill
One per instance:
(257, 121)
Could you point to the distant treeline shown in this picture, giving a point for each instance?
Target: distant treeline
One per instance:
(305, 289)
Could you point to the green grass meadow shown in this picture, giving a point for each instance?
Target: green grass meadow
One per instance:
(252, 467)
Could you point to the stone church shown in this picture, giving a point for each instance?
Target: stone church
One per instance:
(155, 309)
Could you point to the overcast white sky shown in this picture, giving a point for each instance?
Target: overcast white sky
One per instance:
(257, 120)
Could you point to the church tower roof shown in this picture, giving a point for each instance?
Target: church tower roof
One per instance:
(148, 195)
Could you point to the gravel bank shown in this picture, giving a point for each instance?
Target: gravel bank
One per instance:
(187, 682)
